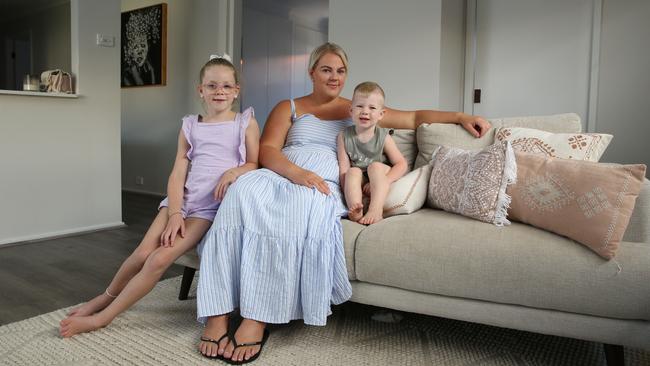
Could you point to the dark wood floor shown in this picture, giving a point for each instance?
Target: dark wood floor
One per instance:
(42, 276)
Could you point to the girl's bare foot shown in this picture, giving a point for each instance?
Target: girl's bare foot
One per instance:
(215, 330)
(355, 211)
(80, 324)
(371, 217)
(250, 331)
(93, 306)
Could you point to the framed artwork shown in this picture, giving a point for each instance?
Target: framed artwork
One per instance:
(144, 46)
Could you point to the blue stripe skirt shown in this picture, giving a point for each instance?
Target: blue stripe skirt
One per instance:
(275, 249)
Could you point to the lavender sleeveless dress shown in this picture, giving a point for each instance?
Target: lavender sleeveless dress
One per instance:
(214, 148)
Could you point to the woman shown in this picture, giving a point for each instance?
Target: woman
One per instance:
(275, 249)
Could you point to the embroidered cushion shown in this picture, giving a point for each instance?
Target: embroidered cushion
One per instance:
(473, 183)
(407, 194)
(578, 146)
(430, 136)
(588, 202)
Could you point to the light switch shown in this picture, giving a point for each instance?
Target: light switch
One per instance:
(105, 41)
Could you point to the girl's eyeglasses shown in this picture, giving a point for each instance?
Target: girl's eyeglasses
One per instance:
(226, 87)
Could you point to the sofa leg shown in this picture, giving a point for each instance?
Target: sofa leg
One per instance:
(614, 355)
(186, 283)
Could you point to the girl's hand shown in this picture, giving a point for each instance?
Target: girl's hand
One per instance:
(312, 180)
(475, 125)
(227, 178)
(175, 224)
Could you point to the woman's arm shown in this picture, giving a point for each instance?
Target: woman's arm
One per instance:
(271, 157)
(252, 141)
(396, 159)
(393, 118)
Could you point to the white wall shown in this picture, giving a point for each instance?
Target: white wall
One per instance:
(151, 116)
(452, 55)
(624, 80)
(59, 157)
(395, 43)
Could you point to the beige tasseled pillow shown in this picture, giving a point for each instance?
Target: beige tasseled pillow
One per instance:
(473, 183)
(588, 202)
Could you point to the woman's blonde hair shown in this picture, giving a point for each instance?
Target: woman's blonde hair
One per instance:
(324, 49)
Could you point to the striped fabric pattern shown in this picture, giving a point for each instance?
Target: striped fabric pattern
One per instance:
(275, 249)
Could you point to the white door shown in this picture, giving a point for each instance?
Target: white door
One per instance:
(529, 57)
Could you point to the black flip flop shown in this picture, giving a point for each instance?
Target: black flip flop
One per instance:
(218, 356)
(261, 343)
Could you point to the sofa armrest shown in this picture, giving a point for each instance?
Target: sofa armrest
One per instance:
(638, 230)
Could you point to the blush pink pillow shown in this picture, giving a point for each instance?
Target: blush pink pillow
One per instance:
(588, 202)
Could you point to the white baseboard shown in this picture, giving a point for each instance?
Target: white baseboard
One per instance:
(61, 233)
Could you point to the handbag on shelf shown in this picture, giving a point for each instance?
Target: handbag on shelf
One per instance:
(56, 81)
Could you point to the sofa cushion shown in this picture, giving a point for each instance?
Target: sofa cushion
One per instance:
(351, 231)
(638, 230)
(577, 146)
(473, 183)
(429, 136)
(588, 202)
(432, 251)
(405, 141)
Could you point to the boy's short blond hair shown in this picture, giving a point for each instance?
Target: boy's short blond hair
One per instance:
(368, 87)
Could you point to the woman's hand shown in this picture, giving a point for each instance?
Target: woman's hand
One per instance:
(310, 179)
(227, 178)
(175, 224)
(475, 125)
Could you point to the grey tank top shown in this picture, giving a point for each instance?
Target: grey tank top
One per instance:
(361, 155)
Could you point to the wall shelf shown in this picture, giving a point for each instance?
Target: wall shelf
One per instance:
(39, 94)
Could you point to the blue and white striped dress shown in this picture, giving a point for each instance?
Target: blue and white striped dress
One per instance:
(275, 248)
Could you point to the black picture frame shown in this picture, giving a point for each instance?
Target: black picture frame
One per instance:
(144, 47)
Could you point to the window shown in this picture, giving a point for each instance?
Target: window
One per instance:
(34, 37)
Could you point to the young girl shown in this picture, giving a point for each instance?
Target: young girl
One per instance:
(213, 151)
(362, 150)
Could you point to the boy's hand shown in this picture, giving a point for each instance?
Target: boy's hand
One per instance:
(366, 189)
(175, 224)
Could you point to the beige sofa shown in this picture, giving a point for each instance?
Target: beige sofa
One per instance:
(442, 264)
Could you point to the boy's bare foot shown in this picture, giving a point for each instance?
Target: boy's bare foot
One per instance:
(80, 324)
(213, 343)
(355, 212)
(92, 306)
(249, 331)
(371, 217)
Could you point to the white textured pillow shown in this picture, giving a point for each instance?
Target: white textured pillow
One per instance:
(473, 183)
(407, 194)
(576, 146)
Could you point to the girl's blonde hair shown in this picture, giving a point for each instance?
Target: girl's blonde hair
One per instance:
(324, 49)
(218, 61)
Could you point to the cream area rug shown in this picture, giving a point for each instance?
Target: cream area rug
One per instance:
(161, 330)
